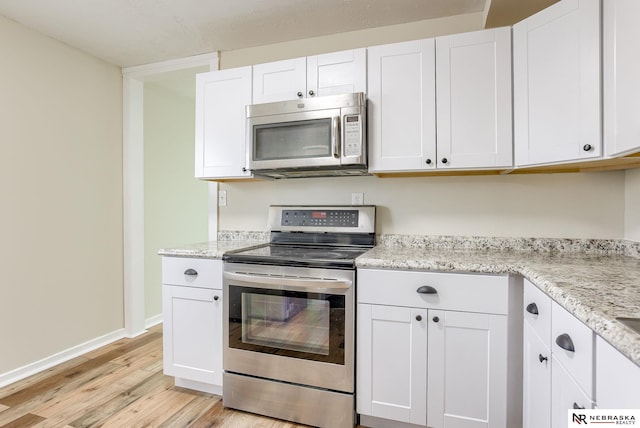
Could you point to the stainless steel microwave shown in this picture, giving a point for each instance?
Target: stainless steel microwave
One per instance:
(314, 137)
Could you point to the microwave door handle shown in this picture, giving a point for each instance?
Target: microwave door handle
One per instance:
(335, 137)
(306, 285)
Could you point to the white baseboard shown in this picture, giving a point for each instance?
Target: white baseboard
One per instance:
(59, 358)
(68, 354)
(154, 320)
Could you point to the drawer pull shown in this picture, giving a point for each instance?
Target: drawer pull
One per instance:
(191, 272)
(426, 289)
(577, 406)
(532, 308)
(564, 341)
(542, 358)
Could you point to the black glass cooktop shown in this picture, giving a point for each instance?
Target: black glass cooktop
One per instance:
(297, 255)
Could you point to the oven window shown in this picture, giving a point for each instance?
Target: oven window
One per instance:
(294, 324)
(292, 140)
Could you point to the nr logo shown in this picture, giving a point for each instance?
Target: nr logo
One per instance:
(579, 419)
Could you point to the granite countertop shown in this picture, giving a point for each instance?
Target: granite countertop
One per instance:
(596, 281)
(594, 287)
(208, 250)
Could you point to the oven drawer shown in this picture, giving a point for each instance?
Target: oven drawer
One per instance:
(202, 273)
(434, 290)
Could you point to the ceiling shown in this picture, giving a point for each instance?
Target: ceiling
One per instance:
(135, 32)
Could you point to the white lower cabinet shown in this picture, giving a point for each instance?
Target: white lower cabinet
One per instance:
(392, 369)
(467, 368)
(536, 367)
(565, 394)
(617, 379)
(557, 362)
(438, 350)
(192, 322)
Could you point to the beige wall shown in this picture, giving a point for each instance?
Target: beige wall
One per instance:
(558, 205)
(632, 205)
(175, 203)
(353, 39)
(549, 205)
(61, 188)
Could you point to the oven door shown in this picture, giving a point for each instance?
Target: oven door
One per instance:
(290, 324)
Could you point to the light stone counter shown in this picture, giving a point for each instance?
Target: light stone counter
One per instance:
(595, 285)
(595, 280)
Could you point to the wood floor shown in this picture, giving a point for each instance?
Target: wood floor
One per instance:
(120, 385)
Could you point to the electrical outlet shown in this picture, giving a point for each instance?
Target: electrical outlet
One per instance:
(222, 198)
(357, 198)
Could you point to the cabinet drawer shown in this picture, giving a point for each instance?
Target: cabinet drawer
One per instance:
(203, 273)
(459, 292)
(537, 311)
(568, 332)
(565, 394)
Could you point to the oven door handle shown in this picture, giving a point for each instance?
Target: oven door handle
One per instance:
(308, 285)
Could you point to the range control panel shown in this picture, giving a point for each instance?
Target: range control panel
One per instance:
(319, 218)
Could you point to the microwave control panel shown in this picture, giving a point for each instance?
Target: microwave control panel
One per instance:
(322, 218)
(352, 135)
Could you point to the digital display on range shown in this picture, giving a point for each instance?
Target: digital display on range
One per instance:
(328, 218)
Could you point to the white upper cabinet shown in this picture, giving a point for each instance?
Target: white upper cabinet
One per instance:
(221, 98)
(401, 106)
(337, 73)
(464, 80)
(473, 93)
(328, 74)
(621, 43)
(556, 69)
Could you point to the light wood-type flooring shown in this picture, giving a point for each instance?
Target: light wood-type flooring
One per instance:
(120, 385)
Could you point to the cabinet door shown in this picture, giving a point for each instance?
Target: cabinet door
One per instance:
(565, 395)
(556, 72)
(617, 379)
(221, 97)
(467, 368)
(392, 363)
(621, 34)
(536, 383)
(401, 106)
(473, 92)
(337, 73)
(280, 80)
(192, 333)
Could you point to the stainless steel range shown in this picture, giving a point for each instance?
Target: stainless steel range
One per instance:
(289, 315)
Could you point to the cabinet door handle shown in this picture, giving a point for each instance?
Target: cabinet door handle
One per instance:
(311, 93)
(216, 298)
(299, 94)
(564, 341)
(418, 317)
(532, 308)
(427, 289)
(445, 160)
(577, 406)
(428, 161)
(436, 319)
(542, 358)
(191, 272)
(587, 147)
